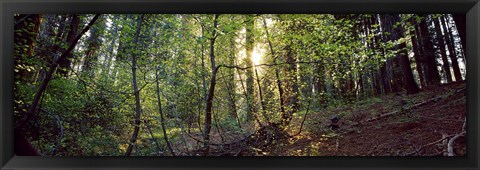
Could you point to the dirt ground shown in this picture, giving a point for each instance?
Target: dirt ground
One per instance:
(411, 132)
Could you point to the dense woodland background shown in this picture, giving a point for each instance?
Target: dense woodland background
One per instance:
(229, 84)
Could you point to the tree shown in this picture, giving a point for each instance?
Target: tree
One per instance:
(433, 77)
(452, 52)
(418, 53)
(231, 83)
(441, 46)
(162, 118)
(32, 108)
(249, 44)
(211, 91)
(277, 76)
(72, 32)
(396, 32)
(460, 22)
(93, 44)
(196, 83)
(138, 107)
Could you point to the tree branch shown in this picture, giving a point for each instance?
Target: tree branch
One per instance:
(283, 63)
(450, 143)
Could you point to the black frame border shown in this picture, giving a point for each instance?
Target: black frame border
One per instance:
(9, 7)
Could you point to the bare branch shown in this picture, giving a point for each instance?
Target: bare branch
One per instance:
(450, 143)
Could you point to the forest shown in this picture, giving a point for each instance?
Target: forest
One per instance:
(240, 84)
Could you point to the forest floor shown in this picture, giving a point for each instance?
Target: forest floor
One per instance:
(390, 125)
(414, 131)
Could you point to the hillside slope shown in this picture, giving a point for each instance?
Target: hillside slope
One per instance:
(416, 128)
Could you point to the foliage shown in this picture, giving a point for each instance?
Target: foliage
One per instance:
(308, 63)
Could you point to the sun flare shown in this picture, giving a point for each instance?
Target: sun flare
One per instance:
(256, 57)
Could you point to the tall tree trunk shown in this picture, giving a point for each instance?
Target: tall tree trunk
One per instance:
(93, 45)
(209, 105)
(109, 58)
(363, 83)
(250, 22)
(379, 73)
(418, 55)
(138, 107)
(386, 71)
(203, 66)
(433, 77)
(277, 76)
(162, 118)
(203, 72)
(460, 22)
(231, 84)
(57, 44)
(451, 49)
(395, 34)
(65, 63)
(441, 45)
(292, 86)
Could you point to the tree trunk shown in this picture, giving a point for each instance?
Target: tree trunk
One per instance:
(386, 71)
(93, 45)
(162, 118)
(460, 22)
(232, 85)
(441, 45)
(203, 72)
(292, 85)
(262, 103)
(209, 105)
(433, 77)
(277, 76)
(395, 34)
(452, 51)
(65, 63)
(418, 55)
(378, 74)
(250, 22)
(138, 107)
(109, 58)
